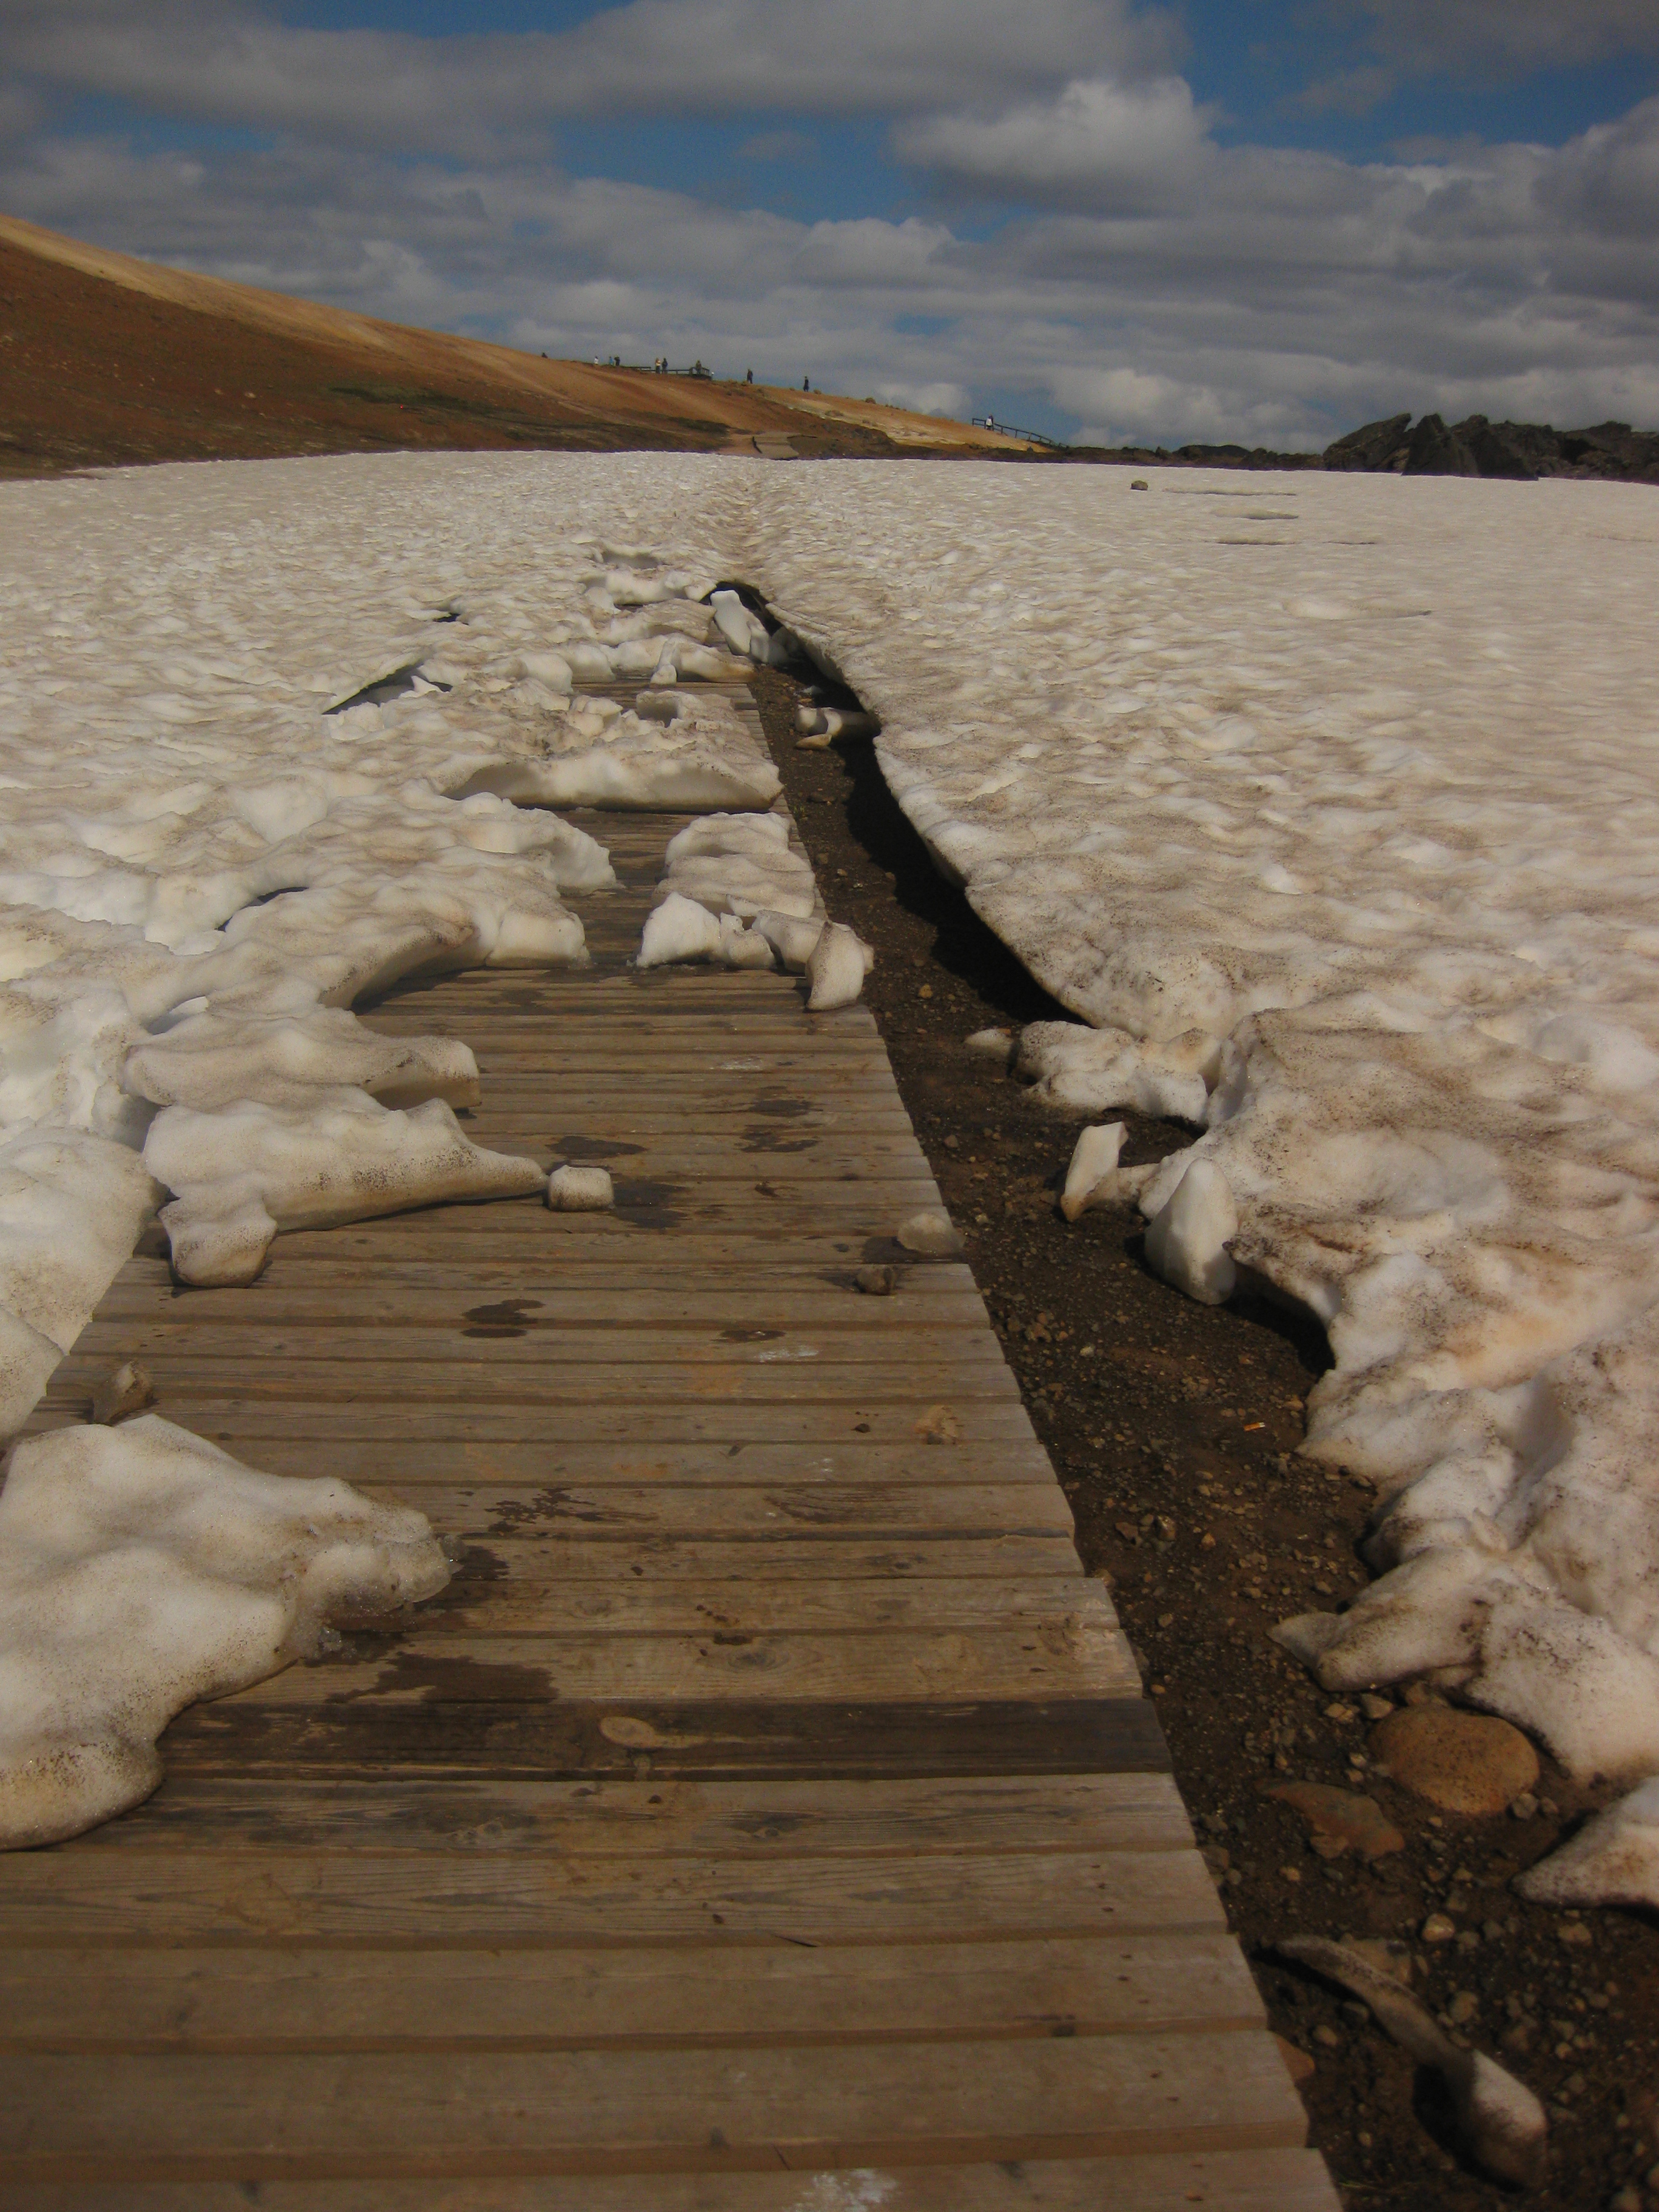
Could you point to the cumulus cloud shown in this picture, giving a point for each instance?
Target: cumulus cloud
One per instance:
(1100, 143)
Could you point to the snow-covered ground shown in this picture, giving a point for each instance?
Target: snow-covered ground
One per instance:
(1333, 796)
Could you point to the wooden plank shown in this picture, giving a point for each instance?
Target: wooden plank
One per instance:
(667, 1383)
(1079, 1657)
(621, 1513)
(895, 1819)
(261, 2000)
(512, 1738)
(554, 1309)
(533, 1467)
(399, 1897)
(386, 1420)
(467, 2114)
(506, 1343)
(506, 1589)
(1211, 2181)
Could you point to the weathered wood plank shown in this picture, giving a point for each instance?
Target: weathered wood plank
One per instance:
(433, 1901)
(512, 1738)
(900, 1818)
(532, 1467)
(621, 1513)
(267, 2001)
(505, 1589)
(1078, 1656)
(466, 2113)
(1206, 2181)
(505, 1343)
(387, 1419)
(671, 1383)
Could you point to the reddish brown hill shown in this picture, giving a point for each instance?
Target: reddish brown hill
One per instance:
(108, 360)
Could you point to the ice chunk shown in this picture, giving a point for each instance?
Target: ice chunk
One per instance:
(141, 1569)
(581, 1190)
(243, 1173)
(1186, 1238)
(743, 632)
(1092, 1168)
(836, 968)
(738, 864)
(679, 929)
(1613, 1860)
(790, 937)
(1084, 1071)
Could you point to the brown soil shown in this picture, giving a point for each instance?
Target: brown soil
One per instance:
(105, 360)
(1174, 1428)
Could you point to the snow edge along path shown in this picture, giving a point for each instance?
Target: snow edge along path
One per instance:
(1336, 794)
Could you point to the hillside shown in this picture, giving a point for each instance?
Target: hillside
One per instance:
(107, 360)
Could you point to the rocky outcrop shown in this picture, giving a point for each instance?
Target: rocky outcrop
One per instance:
(1612, 451)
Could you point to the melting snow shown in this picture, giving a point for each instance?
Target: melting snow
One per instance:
(1341, 832)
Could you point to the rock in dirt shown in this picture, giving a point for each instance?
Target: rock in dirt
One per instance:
(1462, 1762)
(876, 1282)
(931, 1233)
(1340, 1820)
(1297, 2064)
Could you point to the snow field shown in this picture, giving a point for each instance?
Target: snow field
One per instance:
(1326, 803)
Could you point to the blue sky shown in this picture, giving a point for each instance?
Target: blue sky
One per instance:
(1094, 218)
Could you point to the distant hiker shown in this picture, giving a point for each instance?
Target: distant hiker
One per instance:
(806, 384)
(750, 377)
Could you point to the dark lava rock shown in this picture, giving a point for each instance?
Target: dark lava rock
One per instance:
(1378, 445)
(1434, 451)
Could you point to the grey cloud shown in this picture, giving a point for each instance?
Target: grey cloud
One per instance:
(226, 61)
(1497, 37)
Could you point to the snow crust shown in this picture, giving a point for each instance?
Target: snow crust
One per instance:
(142, 1569)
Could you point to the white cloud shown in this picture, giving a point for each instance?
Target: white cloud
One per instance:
(1107, 145)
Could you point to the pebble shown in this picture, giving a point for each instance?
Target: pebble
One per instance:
(1297, 2064)
(1437, 1928)
(1375, 1708)
(1328, 2036)
(876, 1282)
(1340, 1820)
(1462, 1762)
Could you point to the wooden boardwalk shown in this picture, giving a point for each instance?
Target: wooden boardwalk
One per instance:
(766, 1819)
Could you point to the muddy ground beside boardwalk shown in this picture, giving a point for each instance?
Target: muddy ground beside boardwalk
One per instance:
(1174, 1428)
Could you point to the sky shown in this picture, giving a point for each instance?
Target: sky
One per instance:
(1102, 220)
